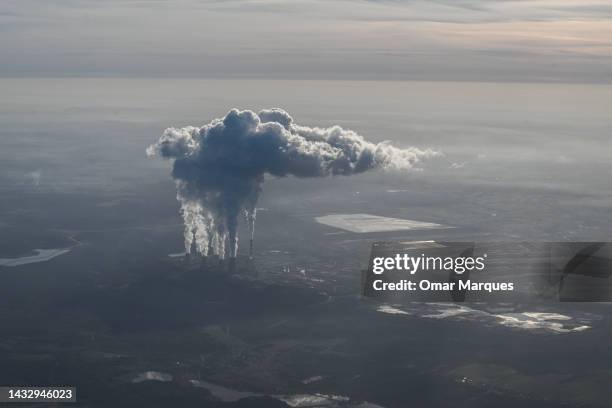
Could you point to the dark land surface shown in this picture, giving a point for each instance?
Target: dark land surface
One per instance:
(117, 306)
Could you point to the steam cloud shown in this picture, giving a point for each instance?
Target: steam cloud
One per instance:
(219, 168)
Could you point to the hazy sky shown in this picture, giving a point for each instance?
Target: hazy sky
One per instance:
(539, 40)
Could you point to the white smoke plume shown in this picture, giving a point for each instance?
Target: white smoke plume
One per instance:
(219, 168)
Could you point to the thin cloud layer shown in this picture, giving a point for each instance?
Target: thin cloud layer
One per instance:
(530, 40)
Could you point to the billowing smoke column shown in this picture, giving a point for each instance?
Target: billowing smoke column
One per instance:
(219, 168)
